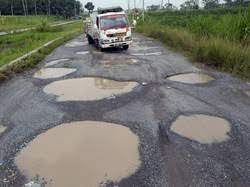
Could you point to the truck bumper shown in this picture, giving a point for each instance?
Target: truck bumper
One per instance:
(115, 44)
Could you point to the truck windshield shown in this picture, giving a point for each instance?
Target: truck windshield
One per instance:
(113, 21)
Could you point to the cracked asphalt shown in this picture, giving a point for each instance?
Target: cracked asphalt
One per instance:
(167, 159)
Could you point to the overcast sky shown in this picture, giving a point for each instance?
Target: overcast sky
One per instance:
(123, 3)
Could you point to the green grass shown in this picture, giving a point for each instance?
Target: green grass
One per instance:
(219, 40)
(16, 45)
(8, 23)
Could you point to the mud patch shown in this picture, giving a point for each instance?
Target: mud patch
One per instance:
(54, 62)
(191, 78)
(88, 89)
(50, 73)
(75, 44)
(202, 128)
(82, 52)
(81, 154)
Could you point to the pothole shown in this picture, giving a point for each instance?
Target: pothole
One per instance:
(202, 128)
(75, 44)
(88, 89)
(143, 48)
(108, 63)
(191, 78)
(147, 54)
(81, 154)
(2, 128)
(49, 73)
(248, 93)
(82, 52)
(54, 62)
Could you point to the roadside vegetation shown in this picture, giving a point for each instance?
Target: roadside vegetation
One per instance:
(16, 45)
(220, 37)
(8, 23)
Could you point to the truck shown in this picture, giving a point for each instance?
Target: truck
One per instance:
(108, 28)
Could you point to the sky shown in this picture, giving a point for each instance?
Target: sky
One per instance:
(124, 3)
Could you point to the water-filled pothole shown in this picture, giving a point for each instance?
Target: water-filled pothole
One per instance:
(54, 62)
(2, 128)
(248, 93)
(88, 89)
(148, 54)
(81, 154)
(82, 52)
(49, 73)
(191, 78)
(202, 128)
(109, 63)
(75, 44)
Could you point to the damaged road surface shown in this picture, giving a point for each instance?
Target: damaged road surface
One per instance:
(141, 117)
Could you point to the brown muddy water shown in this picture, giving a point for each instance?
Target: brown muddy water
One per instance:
(191, 78)
(88, 89)
(50, 73)
(202, 128)
(54, 62)
(81, 154)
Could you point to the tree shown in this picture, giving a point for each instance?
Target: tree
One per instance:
(189, 5)
(209, 4)
(89, 6)
(65, 8)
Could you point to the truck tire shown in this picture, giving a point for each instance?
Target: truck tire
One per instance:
(125, 47)
(90, 40)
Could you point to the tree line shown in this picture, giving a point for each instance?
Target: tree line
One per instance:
(65, 8)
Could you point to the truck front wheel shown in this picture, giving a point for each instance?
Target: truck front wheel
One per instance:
(125, 47)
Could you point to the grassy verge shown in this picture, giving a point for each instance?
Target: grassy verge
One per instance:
(217, 49)
(8, 23)
(15, 46)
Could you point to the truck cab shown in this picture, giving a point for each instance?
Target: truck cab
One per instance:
(108, 28)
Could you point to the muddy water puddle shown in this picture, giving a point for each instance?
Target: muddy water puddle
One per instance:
(202, 128)
(81, 154)
(148, 54)
(54, 62)
(248, 93)
(191, 78)
(50, 73)
(82, 52)
(109, 63)
(88, 89)
(75, 44)
(2, 129)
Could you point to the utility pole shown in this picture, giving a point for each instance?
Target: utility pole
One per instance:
(134, 4)
(35, 7)
(128, 6)
(49, 7)
(12, 10)
(143, 10)
(24, 9)
(161, 4)
(75, 7)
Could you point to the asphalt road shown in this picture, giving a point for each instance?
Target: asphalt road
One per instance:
(167, 159)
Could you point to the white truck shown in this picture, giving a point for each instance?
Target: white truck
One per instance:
(109, 27)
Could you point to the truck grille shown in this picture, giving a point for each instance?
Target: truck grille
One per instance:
(116, 35)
